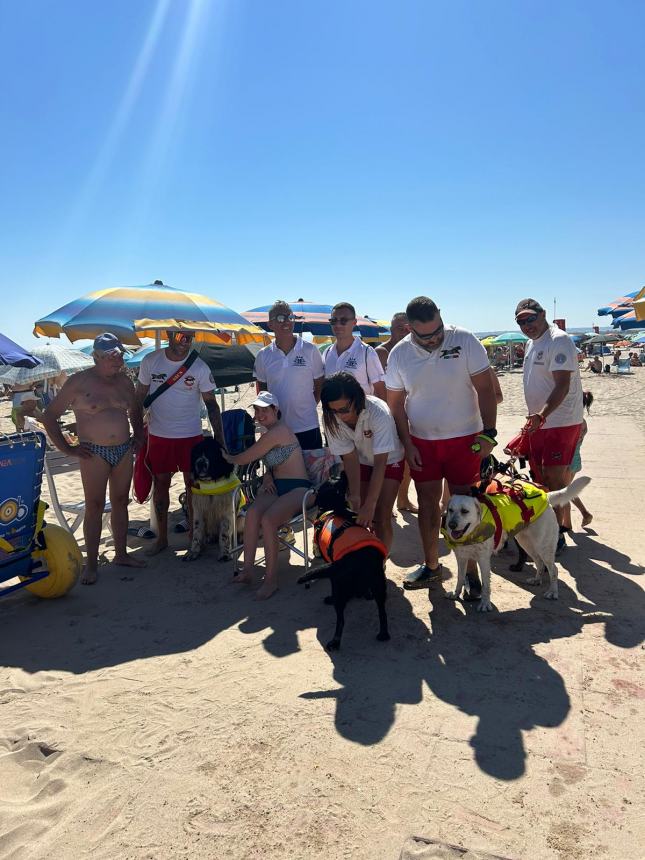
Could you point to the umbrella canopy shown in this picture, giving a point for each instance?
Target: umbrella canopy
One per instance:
(639, 339)
(15, 356)
(604, 338)
(621, 301)
(510, 337)
(134, 359)
(144, 311)
(54, 360)
(230, 365)
(628, 321)
(488, 341)
(312, 317)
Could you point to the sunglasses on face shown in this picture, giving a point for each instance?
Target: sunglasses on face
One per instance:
(344, 410)
(430, 335)
(340, 320)
(283, 318)
(183, 339)
(531, 318)
(112, 353)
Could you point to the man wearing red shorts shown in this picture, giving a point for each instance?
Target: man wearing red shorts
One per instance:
(553, 394)
(174, 423)
(440, 391)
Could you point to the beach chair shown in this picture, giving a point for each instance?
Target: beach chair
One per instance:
(58, 463)
(44, 558)
(320, 464)
(624, 366)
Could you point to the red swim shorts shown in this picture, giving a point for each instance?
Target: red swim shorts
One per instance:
(451, 459)
(554, 446)
(171, 455)
(393, 472)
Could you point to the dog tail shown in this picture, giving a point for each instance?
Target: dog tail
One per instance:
(561, 497)
(321, 572)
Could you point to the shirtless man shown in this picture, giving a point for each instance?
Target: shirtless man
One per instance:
(102, 399)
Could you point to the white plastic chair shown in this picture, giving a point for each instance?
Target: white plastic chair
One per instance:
(57, 463)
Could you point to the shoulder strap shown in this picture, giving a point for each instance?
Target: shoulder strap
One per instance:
(177, 375)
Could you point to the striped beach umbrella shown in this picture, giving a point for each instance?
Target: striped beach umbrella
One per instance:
(147, 311)
(54, 360)
(14, 355)
(625, 301)
(313, 318)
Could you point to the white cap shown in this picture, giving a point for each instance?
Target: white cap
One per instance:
(265, 398)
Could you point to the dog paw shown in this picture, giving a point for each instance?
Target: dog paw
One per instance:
(225, 557)
(383, 637)
(333, 645)
(517, 568)
(534, 580)
(484, 606)
(191, 556)
(551, 593)
(452, 595)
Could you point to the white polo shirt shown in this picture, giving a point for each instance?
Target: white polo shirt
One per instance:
(553, 351)
(291, 378)
(441, 402)
(175, 414)
(375, 433)
(360, 360)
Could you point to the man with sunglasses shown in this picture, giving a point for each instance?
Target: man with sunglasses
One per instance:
(292, 369)
(174, 422)
(441, 394)
(553, 394)
(349, 354)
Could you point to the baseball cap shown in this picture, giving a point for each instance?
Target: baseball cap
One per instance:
(528, 306)
(107, 342)
(265, 398)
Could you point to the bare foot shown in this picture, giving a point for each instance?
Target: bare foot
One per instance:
(128, 561)
(244, 577)
(89, 577)
(586, 520)
(267, 590)
(157, 547)
(407, 506)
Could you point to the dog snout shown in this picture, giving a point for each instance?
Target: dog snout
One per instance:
(453, 523)
(201, 467)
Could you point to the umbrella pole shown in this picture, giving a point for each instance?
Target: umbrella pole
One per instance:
(154, 522)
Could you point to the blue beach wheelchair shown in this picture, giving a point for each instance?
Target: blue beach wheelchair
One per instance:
(44, 558)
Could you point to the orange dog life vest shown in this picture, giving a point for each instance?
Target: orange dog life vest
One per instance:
(335, 537)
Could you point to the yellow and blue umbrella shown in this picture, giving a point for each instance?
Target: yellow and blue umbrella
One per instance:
(147, 311)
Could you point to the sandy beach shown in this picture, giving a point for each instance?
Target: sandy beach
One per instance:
(163, 713)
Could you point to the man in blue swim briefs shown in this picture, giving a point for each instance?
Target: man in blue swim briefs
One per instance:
(104, 405)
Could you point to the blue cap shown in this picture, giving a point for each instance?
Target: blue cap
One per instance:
(106, 342)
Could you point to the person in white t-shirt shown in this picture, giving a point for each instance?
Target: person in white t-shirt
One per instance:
(441, 394)
(292, 369)
(174, 423)
(349, 354)
(553, 394)
(361, 430)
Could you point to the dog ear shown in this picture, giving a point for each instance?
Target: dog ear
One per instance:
(342, 480)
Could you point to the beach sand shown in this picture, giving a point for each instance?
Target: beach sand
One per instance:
(164, 713)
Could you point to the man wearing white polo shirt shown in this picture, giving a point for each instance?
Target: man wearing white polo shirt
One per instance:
(350, 355)
(292, 369)
(553, 394)
(441, 394)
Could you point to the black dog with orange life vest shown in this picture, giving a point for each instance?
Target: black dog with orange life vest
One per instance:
(354, 554)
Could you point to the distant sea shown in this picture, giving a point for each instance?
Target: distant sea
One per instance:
(572, 330)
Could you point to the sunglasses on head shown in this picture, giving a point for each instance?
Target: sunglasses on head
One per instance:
(428, 336)
(340, 320)
(283, 318)
(527, 320)
(344, 410)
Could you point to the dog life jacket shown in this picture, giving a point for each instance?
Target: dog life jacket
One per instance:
(220, 488)
(335, 537)
(505, 508)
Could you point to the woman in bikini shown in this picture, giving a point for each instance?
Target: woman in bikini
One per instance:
(283, 487)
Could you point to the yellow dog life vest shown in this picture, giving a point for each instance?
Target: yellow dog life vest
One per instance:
(220, 488)
(505, 508)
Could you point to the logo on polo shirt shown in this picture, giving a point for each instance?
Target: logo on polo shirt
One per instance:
(299, 361)
(450, 353)
(189, 381)
(368, 434)
(158, 377)
(539, 357)
(560, 358)
(351, 362)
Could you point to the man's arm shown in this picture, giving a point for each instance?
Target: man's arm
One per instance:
(396, 402)
(318, 384)
(380, 391)
(383, 354)
(61, 403)
(214, 416)
(483, 385)
(141, 392)
(135, 413)
(562, 380)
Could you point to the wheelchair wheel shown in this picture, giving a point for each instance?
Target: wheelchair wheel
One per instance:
(63, 560)
(251, 477)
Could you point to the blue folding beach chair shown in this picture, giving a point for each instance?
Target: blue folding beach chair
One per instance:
(44, 558)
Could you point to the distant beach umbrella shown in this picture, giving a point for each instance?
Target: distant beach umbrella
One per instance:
(510, 337)
(313, 318)
(146, 311)
(609, 337)
(13, 355)
(639, 339)
(54, 361)
(620, 302)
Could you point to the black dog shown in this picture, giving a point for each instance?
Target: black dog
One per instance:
(213, 515)
(352, 572)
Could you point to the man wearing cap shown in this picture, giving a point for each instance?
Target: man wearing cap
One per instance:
(174, 423)
(553, 394)
(292, 369)
(441, 394)
(104, 404)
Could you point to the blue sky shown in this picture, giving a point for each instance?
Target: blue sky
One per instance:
(474, 152)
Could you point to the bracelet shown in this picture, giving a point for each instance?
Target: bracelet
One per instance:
(490, 431)
(484, 435)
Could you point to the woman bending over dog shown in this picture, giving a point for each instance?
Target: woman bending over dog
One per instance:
(283, 487)
(360, 428)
